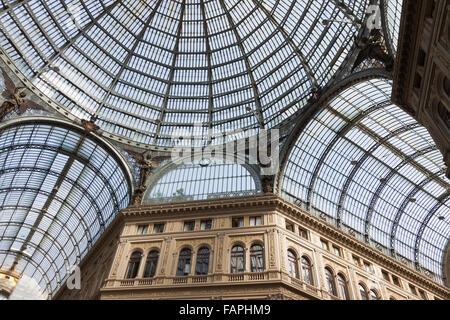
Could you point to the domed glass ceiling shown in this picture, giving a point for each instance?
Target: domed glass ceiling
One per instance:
(372, 170)
(142, 68)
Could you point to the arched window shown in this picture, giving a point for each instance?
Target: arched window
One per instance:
(237, 259)
(133, 265)
(151, 263)
(342, 287)
(184, 262)
(256, 258)
(202, 264)
(374, 295)
(363, 292)
(330, 282)
(293, 266)
(307, 271)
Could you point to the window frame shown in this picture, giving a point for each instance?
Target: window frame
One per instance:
(255, 254)
(134, 263)
(190, 224)
(157, 228)
(235, 256)
(293, 264)
(184, 259)
(254, 219)
(241, 223)
(151, 261)
(202, 261)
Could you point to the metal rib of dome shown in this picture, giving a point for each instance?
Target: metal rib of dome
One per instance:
(142, 68)
(365, 165)
(59, 189)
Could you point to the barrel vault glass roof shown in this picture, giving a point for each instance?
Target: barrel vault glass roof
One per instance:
(368, 167)
(143, 67)
(59, 189)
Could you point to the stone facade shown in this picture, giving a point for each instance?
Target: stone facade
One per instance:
(283, 227)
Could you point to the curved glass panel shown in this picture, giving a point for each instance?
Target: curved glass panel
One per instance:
(59, 189)
(393, 13)
(198, 181)
(366, 166)
(143, 68)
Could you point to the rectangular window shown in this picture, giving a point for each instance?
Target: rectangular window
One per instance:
(324, 244)
(368, 266)
(396, 281)
(303, 233)
(385, 275)
(422, 294)
(189, 225)
(237, 222)
(205, 224)
(255, 221)
(412, 289)
(142, 229)
(158, 228)
(357, 261)
(289, 226)
(337, 251)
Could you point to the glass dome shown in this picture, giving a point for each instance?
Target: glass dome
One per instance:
(141, 68)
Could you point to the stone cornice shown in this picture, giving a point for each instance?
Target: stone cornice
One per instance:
(362, 248)
(308, 220)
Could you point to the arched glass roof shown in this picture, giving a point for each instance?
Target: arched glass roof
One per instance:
(205, 179)
(372, 170)
(393, 14)
(143, 67)
(59, 189)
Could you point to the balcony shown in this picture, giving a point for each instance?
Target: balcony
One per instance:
(216, 279)
(187, 280)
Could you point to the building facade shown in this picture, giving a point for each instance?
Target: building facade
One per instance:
(244, 248)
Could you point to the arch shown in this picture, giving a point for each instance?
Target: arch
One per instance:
(330, 281)
(151, 263)
(237, 259)
(59, 182)
(184, 262)
(374, 294)
(315, 107)
(169, 182)
(307, 270)
(356, 161)
(342, 286)
(202, 263)
(363, 291)
(134, 263)
(257, 257)
(292, 263)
